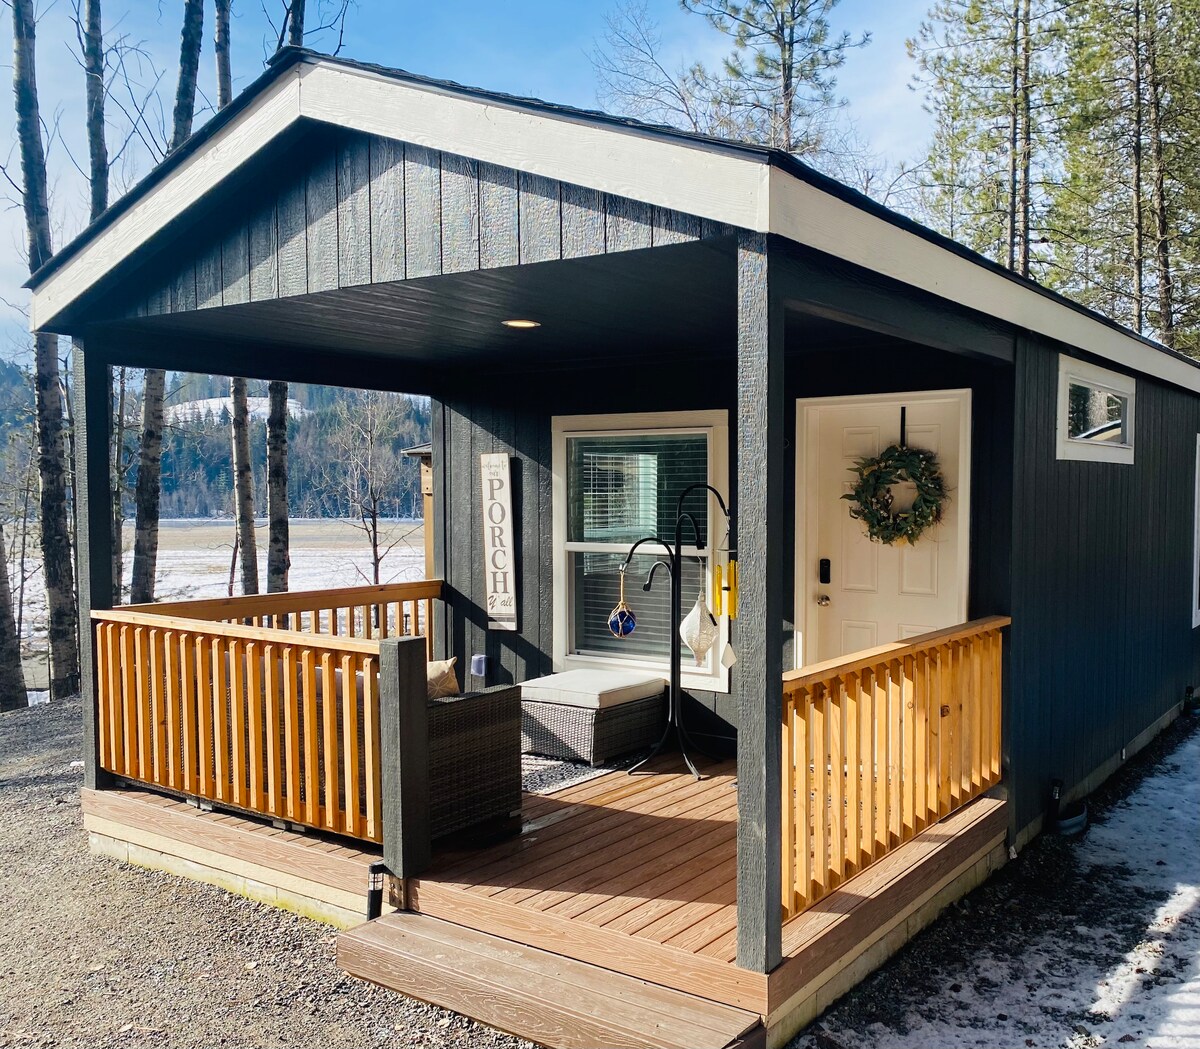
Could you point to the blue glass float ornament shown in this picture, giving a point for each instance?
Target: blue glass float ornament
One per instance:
(621, 620)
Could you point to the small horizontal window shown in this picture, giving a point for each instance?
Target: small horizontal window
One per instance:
(1095, 413)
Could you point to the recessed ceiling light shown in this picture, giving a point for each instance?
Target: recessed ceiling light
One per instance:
(518, 323)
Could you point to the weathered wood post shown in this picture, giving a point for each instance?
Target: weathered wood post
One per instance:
(93, 527)
(760, 540)
(404, 755)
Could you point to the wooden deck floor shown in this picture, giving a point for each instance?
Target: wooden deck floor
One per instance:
(638, 874)
(634, 872)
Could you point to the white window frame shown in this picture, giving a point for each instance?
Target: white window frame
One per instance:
(1196, 542)
(1072, 369)
(715, 425)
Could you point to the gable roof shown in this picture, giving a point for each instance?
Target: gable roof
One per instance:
(735, 183)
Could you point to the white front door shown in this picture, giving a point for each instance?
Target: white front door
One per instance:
(876, 594)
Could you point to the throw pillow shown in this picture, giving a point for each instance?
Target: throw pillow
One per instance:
(442, 680)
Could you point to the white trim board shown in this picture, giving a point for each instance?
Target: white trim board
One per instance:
(743, 190)
(807, 412)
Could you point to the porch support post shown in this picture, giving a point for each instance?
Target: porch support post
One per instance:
(93, 531)
(404, 755)
(760, 542)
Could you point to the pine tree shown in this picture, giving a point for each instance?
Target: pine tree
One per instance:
(986, 67)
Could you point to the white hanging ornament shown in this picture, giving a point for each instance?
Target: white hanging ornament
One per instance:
(728, 657)
(698, 630)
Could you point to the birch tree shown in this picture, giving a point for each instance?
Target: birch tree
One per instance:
(243, 469)
(12, 677)
(57, 552)
(146, 498)
(279, 558)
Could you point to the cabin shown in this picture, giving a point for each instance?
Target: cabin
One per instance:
(933, 526)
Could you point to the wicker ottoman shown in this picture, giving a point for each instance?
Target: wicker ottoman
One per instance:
(592, 715)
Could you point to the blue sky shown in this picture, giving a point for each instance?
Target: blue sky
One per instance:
(528, 47)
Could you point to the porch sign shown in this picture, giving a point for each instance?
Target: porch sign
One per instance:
(499, 570)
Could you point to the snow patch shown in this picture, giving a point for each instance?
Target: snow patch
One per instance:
(1067, 990)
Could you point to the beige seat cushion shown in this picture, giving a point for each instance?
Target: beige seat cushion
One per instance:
(593, 689)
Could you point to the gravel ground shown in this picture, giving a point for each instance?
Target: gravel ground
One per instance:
(96, 953)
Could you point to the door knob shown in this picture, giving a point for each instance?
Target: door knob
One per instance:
(823, 600)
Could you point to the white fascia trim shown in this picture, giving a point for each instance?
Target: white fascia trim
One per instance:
(810, 216)
(671, 173)
(264, 120)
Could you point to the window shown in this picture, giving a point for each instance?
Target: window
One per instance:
(1095, 412)
(1196, 543)
(618, 478)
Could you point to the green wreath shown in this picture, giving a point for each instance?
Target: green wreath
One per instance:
(871, 499)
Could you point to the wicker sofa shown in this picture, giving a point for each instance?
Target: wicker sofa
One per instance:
(474, 759)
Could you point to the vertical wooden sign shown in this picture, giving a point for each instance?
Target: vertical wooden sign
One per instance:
(499, 561)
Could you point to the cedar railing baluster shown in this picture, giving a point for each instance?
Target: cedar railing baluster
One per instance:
(879, 745)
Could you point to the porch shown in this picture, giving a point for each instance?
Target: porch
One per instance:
(890, 758)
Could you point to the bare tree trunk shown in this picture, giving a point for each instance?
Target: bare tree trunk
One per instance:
(295, 19)
(12, 677)
(23, 545)
(1158, 189)
(279, 558)
(56, 540)
(243, 485)
(1139, 249)
(57, 553)
(149, 484)
(1014, 95)
(93, 66)
(1026, 139)
(221, 48)
(189, 67)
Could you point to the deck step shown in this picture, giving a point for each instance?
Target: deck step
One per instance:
(534, 994)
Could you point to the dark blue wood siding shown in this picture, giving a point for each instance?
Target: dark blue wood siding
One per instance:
(1102, 639)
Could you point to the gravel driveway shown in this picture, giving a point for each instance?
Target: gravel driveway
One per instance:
(96, 953)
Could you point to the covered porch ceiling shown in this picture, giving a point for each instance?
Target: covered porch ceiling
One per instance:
(655, 305)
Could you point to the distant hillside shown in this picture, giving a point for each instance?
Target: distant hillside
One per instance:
(197, 468)
(218, 408)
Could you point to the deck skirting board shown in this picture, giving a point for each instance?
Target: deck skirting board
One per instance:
(278, 868)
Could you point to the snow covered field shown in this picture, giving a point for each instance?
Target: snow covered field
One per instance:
(194, 561)
(1077, 944)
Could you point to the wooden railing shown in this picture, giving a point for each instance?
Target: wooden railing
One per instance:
(880, 745)
(280, 722)
(386, 610)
